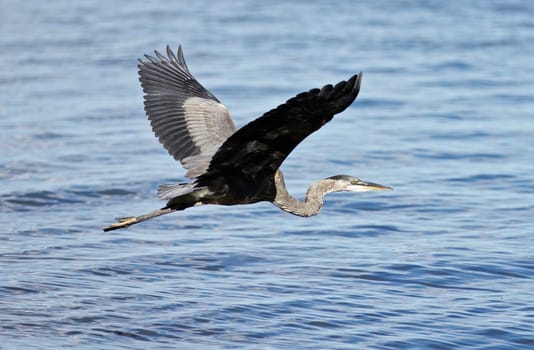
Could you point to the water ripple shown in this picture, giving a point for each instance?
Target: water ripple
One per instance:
(444, 261)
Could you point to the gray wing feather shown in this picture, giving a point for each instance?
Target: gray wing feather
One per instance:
(187, 119)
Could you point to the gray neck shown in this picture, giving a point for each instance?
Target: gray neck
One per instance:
(312, 203)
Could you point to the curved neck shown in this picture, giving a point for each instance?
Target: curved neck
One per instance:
(312, 203)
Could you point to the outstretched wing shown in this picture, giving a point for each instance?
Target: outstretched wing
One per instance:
(259, 148)
(187, 119)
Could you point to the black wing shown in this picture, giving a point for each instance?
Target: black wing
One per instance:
(259, 148)
(187, 119)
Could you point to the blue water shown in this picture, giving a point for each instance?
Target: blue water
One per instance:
(445, 116)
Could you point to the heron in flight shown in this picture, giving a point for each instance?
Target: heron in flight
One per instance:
(231, 166)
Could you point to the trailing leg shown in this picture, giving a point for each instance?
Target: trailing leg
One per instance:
(131, 220)
(191, 198)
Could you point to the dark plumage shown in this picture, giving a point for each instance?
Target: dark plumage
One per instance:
(230, 166)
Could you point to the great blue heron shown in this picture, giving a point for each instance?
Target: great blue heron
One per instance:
(229, 166)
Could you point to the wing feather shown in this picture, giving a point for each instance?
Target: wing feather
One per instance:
(187, 119)
(258, 149)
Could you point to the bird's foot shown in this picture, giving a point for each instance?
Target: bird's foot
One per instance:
(121, 223)
(126, 220)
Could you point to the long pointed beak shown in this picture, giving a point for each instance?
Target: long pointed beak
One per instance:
(371, 186)
(377, 187)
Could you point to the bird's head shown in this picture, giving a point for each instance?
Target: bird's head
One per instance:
(352, 184)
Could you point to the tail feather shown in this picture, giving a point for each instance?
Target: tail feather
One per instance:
(170, 191)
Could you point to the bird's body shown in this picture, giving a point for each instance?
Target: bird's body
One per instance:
(231, 166)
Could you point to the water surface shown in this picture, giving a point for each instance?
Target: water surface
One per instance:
(444, 117)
